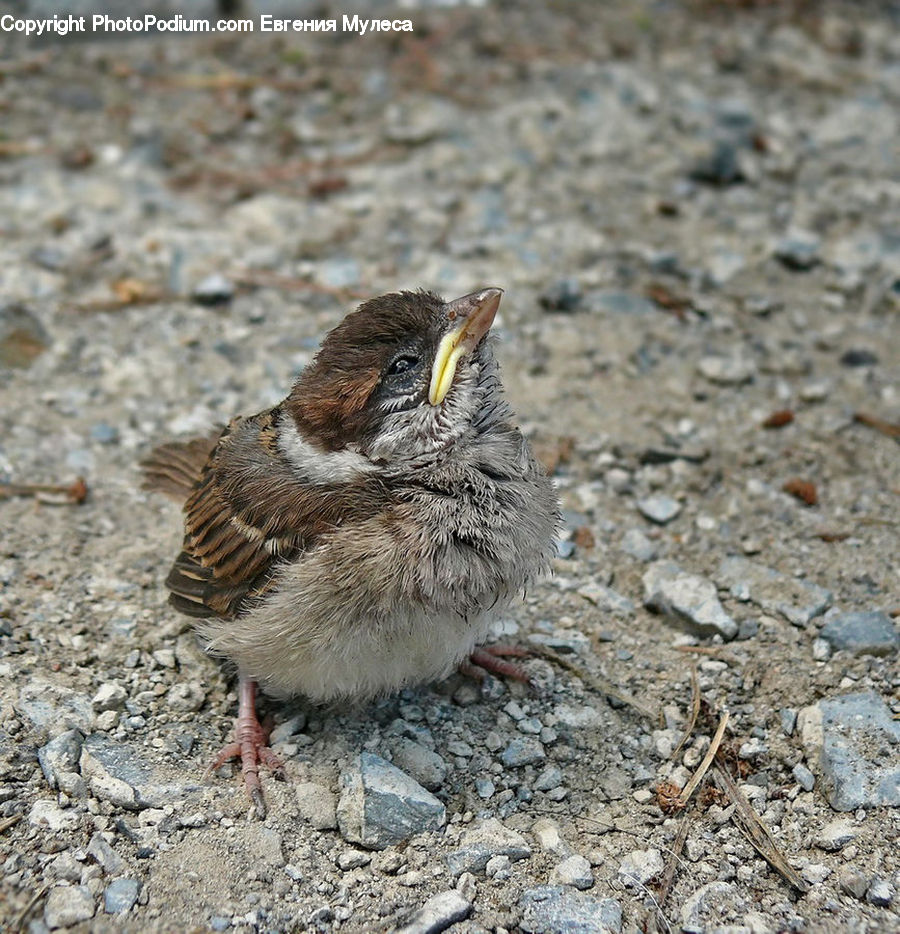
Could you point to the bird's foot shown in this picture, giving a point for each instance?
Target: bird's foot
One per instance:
(251, 746)
(491, 658)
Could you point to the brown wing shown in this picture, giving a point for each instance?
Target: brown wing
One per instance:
(247, 514)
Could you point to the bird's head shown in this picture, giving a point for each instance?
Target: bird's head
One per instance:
(402, 378)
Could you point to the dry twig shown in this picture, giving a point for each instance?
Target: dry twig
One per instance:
(697, 777)
(879, 424)
(9, 822)
(755, 830)
(49, 493)
(695, 711)
(668, 875)
(38, 895)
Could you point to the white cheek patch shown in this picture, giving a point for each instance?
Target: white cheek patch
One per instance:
(317, 466)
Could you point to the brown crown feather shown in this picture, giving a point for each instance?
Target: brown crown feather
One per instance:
(329, 400)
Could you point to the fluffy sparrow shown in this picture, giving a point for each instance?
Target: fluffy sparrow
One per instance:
(361, 536)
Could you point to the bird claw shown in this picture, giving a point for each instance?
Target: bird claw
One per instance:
(491, 658)
(251, 747)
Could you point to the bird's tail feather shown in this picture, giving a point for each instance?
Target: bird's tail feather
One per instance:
(175, 467)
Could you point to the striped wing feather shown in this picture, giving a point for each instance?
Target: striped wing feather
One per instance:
(247, 512)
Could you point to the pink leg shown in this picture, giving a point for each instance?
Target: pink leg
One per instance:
(250, 745)
(489, 658)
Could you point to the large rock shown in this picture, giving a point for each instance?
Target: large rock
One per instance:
(796, 600)
(688, 598)
(855, 730)
(117, 773)
(381, 806)
(867, 633)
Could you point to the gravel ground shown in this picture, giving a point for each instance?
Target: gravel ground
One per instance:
(694, 210)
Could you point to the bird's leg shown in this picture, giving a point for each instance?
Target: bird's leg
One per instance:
(491, 658)
(251, 745)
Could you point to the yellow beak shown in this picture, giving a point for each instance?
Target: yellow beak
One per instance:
(471, 317)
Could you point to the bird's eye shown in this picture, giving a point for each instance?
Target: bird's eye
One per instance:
(402, 364)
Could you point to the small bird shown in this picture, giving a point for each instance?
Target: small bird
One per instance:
(361, 536)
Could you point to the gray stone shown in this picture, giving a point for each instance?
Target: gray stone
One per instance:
(117, 773)
(796, 600)
(565, 548)
(550, 778)
(50, 814)
(523, 751)
(551, 909)
(719, 163)
(836, 834)
(723, 264)
(859, 357)
(497, 867)
(855, 728)
(788, 720)
(110, 696)
(109, 860)
(317, 805)
(727, 371)
(186, 696)
(425, 766)
(22, 336)
(67, 905)
(753, 748)
(215, 289)
(482, 840)
(485, 788)
(658, 508)
(636, 544)
(866, 633)
(853, 882)
(564, 295)
(607, 599)
(65, 867)
(438, 913)
(640, 866)
(815, 873)
(104, 434)
(687, 598)
(574, 871)
(55, 707)
(585, 717)
(798, 250)
(382, 806)
(60, 755)
(804, 777)
(881, 893)
(287, 728)
(121, 895)
(353, 859)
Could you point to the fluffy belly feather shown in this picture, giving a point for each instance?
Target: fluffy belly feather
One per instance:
(349, 658)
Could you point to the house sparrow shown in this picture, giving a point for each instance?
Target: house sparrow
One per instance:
(360, 536)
